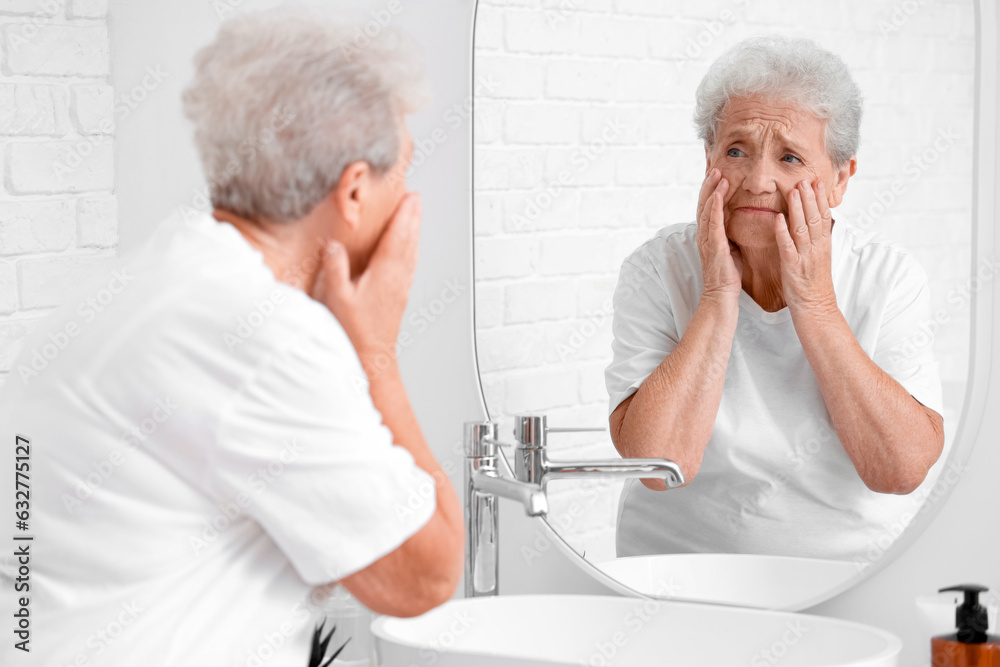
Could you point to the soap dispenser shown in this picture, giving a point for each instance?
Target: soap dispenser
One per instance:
(970, 645)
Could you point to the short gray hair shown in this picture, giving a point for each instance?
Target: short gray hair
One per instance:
(784, 69)
(283, 101)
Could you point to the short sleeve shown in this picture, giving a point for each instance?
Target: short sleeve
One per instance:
(904, 347)
(303, 449)
(644, 332)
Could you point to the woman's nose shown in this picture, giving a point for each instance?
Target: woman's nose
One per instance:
(760, 178)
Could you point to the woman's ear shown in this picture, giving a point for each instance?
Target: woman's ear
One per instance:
(350, 191)
(840, 178)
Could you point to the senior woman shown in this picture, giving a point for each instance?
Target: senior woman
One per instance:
(762, 347)
(230, 436)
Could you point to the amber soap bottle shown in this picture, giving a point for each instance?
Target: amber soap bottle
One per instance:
(970, 645)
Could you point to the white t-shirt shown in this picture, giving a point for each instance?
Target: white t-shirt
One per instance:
(774, 478)
(204, 452)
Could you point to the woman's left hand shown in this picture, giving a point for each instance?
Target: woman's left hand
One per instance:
(804, 249)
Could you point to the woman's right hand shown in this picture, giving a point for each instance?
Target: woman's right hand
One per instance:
(370, 306)
(721, 264)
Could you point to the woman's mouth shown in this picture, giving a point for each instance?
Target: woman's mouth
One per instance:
(755, 210)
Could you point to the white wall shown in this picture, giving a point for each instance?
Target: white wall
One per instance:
(58, 211)
(605, 89)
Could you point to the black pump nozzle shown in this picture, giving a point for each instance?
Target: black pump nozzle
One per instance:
(970, 616)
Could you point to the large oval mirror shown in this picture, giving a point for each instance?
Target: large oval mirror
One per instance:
(586, 152)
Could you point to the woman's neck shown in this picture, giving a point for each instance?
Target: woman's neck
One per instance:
(762, 277)
(288, 250)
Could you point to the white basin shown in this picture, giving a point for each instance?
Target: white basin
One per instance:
(574, 630)
(746, 580)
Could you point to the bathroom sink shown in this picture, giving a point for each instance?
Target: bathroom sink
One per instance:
(573, 630)
(746, 580)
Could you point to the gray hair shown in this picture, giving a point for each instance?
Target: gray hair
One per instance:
(784, 69)
(283, 101)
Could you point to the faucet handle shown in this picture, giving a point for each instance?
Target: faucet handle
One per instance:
(530, 430)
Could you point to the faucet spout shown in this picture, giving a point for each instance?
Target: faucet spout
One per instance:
(532, 463)
(664, 469)
(530, 495)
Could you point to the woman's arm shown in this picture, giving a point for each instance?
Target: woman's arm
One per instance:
(424, 571)
(891, 438)
(672, 414)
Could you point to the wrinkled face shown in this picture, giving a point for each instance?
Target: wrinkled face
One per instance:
(764, 148)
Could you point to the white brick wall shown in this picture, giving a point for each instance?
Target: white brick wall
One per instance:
(30, 110)
(554, 220)
(57, 50)
(29, 7)
(58, 210)
(91, 106)
(93, 9)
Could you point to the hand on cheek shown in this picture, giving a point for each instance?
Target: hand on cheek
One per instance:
(721, 263)
(804, 249)
(370, 306)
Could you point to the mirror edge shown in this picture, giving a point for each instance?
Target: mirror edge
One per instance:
(472, 214)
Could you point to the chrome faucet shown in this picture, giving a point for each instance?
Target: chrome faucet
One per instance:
(532, 465)
(485, 479)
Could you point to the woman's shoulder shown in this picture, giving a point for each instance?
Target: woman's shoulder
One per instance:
(871, 252)
(673, 244)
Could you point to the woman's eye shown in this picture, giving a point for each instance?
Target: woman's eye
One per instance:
(734, 152)
(791, 158)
